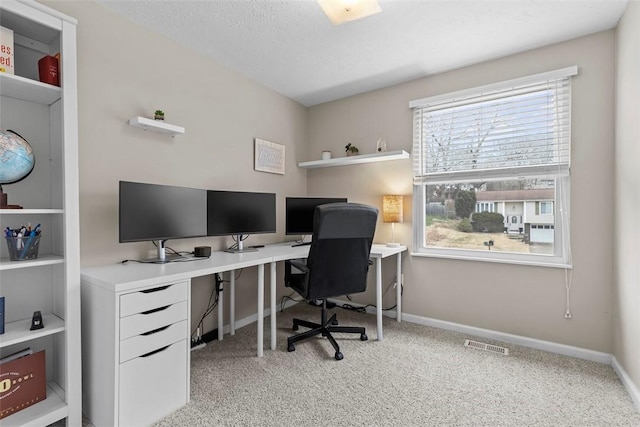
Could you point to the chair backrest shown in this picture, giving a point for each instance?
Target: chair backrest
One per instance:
(340, 248)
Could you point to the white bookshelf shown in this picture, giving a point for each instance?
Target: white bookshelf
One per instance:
(46, 116)
(356, 160)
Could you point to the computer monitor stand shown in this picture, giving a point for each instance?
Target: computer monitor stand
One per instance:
(239, 246)
(162, 257)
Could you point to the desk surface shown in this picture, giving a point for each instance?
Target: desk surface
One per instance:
(132, 275)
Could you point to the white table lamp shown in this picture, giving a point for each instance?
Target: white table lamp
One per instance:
(392, 212)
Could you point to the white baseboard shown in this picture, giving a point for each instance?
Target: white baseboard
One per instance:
(566, 350)
(627, 382)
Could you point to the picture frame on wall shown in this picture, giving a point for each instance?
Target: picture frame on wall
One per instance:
(269, 156)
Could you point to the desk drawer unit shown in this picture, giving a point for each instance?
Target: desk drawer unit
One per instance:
(153, 351)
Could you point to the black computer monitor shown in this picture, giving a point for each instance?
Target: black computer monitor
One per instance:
(239, 213)
(299, 213)
(152, 212)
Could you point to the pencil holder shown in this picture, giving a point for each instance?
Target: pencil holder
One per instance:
(22, 248)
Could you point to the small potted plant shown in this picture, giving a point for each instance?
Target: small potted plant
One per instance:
(158, 115)
(351, 149)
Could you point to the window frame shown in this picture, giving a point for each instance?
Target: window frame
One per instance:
(560, 204)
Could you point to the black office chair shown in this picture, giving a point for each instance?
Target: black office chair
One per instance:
(337, 264)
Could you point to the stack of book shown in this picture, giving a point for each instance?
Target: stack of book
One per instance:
(6, 50)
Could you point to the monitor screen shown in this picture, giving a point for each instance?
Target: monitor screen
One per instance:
(299, 213)
(151, 212)
(239, 212)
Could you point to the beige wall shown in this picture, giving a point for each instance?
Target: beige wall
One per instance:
(522, 300)
(125, 70)
(626, 320)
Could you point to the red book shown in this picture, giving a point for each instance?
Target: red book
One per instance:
(48, 69)
(22, 383)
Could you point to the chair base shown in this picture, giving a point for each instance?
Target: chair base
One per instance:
(325, 329)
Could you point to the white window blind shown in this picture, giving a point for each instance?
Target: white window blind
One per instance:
(520, 127)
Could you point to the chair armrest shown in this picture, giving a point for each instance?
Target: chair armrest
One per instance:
(297, 264)
(296, 281)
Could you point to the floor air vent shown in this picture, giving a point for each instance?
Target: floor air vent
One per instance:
(486, 347)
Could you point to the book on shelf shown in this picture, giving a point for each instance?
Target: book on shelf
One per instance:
(48, 70)
(17, 355)
(23, 383)
(6, 50)
(1, 315)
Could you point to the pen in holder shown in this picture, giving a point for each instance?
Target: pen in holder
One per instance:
(23, 248)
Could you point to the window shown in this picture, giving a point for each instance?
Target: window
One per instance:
(546, 208)
(489, 164)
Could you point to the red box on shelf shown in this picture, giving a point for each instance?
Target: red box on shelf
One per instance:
(48, 70)
(23, 383)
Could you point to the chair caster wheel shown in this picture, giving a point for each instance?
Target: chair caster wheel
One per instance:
(295, 328)
(364, 337)
(291, 348)
(335, 322)
(339, 356)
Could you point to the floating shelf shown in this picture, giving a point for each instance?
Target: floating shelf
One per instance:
(354, 160)
(156, 126)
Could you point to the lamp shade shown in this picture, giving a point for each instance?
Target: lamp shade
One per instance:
(392, 208)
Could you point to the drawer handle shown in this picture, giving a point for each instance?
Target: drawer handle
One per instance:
(151, 353)
(155, 330)
(162, 288)
(155, 310)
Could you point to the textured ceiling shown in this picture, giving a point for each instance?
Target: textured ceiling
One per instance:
(291, 46)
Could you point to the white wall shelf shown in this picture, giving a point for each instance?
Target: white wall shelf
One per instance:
(354, 160)
(156, 126)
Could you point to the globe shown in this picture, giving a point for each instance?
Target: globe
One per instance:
(16, 157)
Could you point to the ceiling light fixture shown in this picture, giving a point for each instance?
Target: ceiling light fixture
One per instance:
(341, 11)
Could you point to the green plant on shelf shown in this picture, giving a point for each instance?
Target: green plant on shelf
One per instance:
(351, 149)
(158, 115)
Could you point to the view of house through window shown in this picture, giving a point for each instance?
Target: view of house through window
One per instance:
(509, 216)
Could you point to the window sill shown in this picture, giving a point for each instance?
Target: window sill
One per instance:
(463, 257)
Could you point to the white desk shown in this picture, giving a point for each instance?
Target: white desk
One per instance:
(136, 323)
(120, 278)
(284, 251)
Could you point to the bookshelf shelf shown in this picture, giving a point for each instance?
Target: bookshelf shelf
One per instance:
(50, 410)
(18, 332)
(28, 90)
(42, 260)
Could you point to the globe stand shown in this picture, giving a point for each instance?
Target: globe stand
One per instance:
(3, 201)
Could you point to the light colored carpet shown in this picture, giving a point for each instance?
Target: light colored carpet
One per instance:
(417, 376)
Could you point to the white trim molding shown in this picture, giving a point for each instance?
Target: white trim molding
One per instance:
(552, 347)
(627, 382)
(566, 350)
